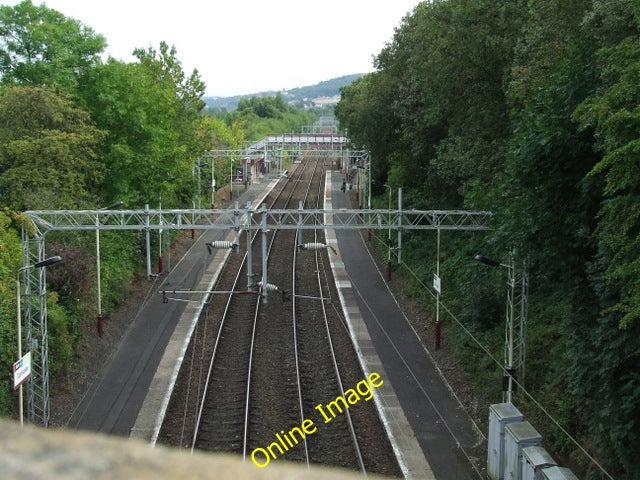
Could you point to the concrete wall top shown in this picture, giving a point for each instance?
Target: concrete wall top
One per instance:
(31, 452)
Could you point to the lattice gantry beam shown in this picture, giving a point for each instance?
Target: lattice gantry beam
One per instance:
(44, 221)
(287, 219)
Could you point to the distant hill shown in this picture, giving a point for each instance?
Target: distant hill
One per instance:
(321, 94)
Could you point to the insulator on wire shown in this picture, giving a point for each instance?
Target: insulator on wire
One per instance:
(270, 287)
(316, 246)
(220, 244)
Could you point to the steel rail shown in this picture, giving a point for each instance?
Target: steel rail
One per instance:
(245, 433)
(226, 314)
(295, 329)
(196, 430)
(319, 268)
(245, 438)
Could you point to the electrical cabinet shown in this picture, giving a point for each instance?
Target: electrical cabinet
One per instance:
(500, 415)
(558, 473)
(518, 435)
(534, 459)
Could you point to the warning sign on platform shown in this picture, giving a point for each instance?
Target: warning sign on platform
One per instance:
(436, 283)
(22, 370)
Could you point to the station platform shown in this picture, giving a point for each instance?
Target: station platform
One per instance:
(432, 434)
(130, 393)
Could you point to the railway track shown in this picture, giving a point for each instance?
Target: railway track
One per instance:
(270, 365)
(277, 404)
(225, 412)
(311, 296)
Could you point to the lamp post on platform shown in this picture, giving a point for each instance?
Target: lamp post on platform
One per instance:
(199, 166)
(367, 169)
(508, 385)
(160, 260)
(389, 236)
(231, 179)
(437, 286)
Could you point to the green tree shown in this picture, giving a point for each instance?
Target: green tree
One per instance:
(125, 102)
(606, 356)
(365, 112)
(551, 208)
(152, 113)
(222, 135)
(506, 106)
(264, 107)
(438, 94)
(40, 46)
(48, 151)
(614, 113)
(260, 116)
(165, 68)
(9, 264)
(548, 211)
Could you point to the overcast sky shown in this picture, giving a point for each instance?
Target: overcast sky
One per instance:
(247, 46)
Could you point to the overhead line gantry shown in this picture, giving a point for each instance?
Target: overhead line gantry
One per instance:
(43, 222)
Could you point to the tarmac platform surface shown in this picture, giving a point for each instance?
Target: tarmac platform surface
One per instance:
(115, 400)
(444, 431)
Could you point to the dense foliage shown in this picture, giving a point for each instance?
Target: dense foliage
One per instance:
(40, 46)
(77, 131)
(529, 109)
(48, 151)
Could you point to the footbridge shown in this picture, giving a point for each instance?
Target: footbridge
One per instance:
(300, 141)
(270, 156)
